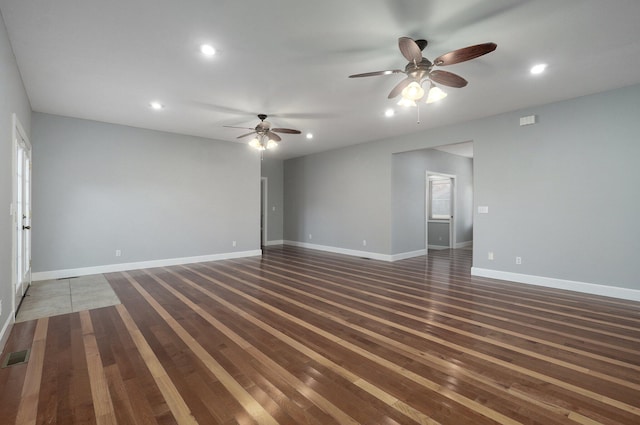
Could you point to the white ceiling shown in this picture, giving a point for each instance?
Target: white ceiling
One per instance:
(106, 60)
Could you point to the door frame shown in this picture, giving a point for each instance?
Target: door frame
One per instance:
(264, 185)
(18, 285)
(452, 221)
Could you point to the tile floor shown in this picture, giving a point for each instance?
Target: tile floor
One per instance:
(52, 297)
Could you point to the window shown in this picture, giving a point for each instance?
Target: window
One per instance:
(440, 199)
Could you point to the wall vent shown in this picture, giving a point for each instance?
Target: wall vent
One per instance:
(528, 120)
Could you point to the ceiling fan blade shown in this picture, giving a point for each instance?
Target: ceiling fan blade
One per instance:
(245, 135)
(373, 74)
(273, 136)
(447, 78)
(286, 130)
(410, 49)
(233, 126)
(399, 87)
(465, 54)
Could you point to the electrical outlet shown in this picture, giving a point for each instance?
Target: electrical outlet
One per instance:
(364, 242)
(518, 260)
(490, 256)
(310, 236)
(118, 253)
(233, 243)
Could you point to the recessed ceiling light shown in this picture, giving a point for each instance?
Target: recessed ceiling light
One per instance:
(389, 112)
(539, 68)
(309, 136)
(156, 105)
(207, 50)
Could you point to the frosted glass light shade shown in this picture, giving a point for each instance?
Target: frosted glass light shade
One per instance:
(272, 144)
(413, 91)
(435, 94)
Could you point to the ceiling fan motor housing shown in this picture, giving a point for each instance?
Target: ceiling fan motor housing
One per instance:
(420, 70)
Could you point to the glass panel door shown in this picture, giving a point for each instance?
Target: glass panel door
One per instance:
(21, 215)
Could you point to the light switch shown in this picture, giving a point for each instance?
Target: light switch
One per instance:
(483, 210)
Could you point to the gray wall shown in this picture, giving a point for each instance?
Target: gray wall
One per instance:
(273, 170)
(409, 191)
(13, 99)
(549, 188)
(563, 194)
(99, 187)
(341, 198)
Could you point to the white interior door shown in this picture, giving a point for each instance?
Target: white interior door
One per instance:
(21, 210)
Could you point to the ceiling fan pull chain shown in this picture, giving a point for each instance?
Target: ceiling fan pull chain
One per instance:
(418, 111)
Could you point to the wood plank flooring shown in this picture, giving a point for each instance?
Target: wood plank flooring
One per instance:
(305, 337)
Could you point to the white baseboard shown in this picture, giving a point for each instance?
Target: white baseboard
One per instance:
(588, 288)
(351, 252)
(458, 245)
(270, 243)
(365, 254)
(464, 244)
(411, 254)
(437, 247)
(110, 268)
(6, 330)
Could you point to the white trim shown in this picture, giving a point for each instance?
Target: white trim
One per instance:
(405, 255)
(19, 136)
(464, 244)
(270, 243)
(588, 288)
(351, 252)
(437, 247)
(264, 208)
(365, 254)
(109, 268)
(6, 331)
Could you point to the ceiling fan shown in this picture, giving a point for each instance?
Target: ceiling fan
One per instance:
(265, 136)
(420, 70)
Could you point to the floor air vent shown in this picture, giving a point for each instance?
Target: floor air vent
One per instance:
(16, 358)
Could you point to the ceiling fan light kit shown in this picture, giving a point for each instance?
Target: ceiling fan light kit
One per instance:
(265, 137)
(420, 70)
(263, 143)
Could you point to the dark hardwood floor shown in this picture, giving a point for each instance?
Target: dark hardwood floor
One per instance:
(306, 337)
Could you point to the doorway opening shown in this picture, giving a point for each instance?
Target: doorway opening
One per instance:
(440, 214)
(21, 214)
